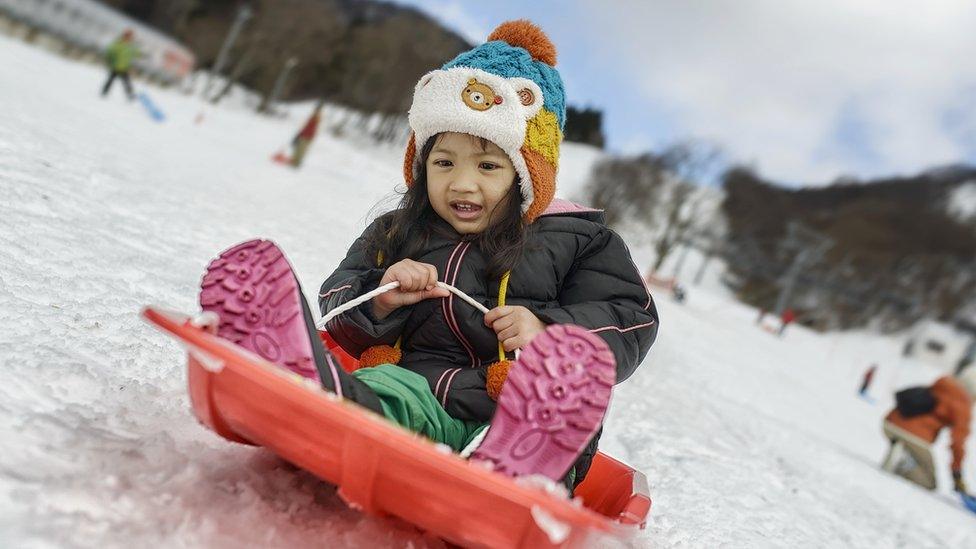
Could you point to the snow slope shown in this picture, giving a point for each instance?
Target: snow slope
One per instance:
(747, 440)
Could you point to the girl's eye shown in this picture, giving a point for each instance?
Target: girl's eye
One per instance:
(442, 163)
(488, 166)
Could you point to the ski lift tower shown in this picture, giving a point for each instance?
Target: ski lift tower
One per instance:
(810, 247)
(243, 15)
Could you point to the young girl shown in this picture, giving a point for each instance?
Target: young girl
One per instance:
(479, 216)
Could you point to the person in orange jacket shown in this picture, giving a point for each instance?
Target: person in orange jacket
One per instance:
(912, 432)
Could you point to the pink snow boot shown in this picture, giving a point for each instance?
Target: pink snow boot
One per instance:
(252, 289)
(551, 405)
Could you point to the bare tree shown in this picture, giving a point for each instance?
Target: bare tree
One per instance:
(688, 163)
(658, 190)
(625, 188)
(679, 214)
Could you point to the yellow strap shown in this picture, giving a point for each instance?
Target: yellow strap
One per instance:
(502, 290)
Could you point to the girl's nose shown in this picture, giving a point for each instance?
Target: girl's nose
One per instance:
(464, 181)
(463, 184)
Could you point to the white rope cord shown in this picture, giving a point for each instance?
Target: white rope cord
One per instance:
(390, 286)
(385, 288)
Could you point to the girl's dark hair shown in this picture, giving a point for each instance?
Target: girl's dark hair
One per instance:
(405, 232)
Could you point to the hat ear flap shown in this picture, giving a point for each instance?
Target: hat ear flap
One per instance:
(408, 159)
(529, 95)
(543, 183)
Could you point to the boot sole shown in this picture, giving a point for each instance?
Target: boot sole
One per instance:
(553, 402)
(253, 290)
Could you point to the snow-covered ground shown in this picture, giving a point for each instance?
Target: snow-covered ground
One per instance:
(748, 440)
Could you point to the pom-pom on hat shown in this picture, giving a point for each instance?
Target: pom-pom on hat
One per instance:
(506, 90)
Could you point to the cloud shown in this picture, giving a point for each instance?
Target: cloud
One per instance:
(453, 15)
(804, 91)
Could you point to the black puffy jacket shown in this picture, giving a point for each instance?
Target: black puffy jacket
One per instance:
(574, 270)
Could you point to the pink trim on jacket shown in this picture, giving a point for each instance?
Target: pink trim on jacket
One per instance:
(644, 284)
(621, 330)
(447, 387)
(448, 307)
(444, 302)
(333, 290)
(437, 387)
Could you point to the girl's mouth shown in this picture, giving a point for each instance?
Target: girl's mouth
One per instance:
(466, 210)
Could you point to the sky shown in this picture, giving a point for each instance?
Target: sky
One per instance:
(803, 92)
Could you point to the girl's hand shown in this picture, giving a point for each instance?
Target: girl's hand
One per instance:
(418, 281)
(515, 325)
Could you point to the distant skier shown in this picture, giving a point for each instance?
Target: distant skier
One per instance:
(119, 57)
(866, 382)
(786, 319)
(303, 140)
(915, 423)
(678, 293)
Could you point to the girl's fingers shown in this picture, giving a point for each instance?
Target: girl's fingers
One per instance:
(497, 313)
(431, 277)
(398, 276)
(427, 276)
(409, 298)
(403, 273)
(503, 323)
(508, 333)
(412, 276)
(512, 343)
(436, 292)
(418, 280)
(409, 282)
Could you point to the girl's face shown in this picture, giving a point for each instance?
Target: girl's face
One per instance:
(467, 182)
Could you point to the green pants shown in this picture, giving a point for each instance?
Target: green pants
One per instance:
(407, 400)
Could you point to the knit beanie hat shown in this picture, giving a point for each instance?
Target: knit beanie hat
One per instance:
(506, 91)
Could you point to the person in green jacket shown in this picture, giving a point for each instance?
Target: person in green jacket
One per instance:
(119, 57)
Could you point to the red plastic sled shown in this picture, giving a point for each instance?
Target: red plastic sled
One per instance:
(384, 469)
